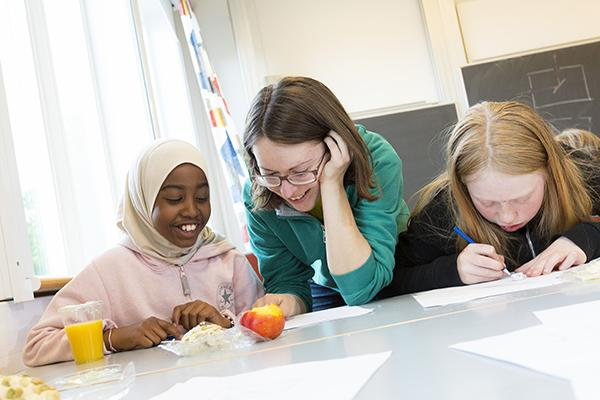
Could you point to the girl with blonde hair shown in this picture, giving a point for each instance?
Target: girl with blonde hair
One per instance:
(511, 188)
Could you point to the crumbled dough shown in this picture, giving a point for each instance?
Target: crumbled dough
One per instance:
(517, 276)
(26, 388)
(587, 272)
(208, 335)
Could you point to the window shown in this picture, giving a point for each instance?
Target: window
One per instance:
(67, 138)
(87, 84)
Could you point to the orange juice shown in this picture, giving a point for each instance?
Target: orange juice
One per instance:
(86, 341)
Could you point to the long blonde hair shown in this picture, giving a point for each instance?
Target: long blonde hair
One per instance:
(513, 139)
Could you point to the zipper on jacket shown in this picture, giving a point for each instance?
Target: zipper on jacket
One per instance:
(301, 215)
(530, 243)
(185, 285)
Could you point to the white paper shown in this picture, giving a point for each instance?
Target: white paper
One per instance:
(340, 378)
(461, 294)
(546, 349)
(325, 315)
(565, 346)
(582, 317)
(536, 348)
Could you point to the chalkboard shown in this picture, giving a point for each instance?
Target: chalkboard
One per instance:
(417, 138)
(562, 85)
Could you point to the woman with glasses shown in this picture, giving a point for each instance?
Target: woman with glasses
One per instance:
(324, 204)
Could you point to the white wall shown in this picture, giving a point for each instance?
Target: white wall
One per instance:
(494, 28)
(17, 319)
(383, 53)
(360, 50)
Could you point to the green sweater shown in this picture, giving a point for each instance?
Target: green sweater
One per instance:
(290, 245)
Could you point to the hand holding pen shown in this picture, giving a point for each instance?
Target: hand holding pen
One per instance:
(479, 262)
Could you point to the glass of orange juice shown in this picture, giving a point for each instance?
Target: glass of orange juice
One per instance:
(83, 326)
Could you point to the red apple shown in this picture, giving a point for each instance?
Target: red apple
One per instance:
(267, 321)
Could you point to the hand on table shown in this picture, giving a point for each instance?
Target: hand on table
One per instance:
(191, 314)
(147, 334)
(562, 253)
(290, 304)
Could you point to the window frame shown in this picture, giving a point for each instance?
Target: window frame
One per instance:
(16, 265)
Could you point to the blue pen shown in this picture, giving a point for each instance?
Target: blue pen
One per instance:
(469, 240)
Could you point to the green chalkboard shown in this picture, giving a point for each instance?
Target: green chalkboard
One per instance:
(563, 85)
(416, 136)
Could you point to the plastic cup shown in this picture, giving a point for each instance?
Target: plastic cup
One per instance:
(83, 326)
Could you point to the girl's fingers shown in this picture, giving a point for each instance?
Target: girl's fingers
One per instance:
(486, 274)
(487, 262)
(199, 313)
(485, 249)
(176, 315)
(159, 332)
(537, 266)
(152, 337)
(500, 259)
(568, 261)
(526, 267)
(551, 262)
(195, 319)
(546, 263)
(144, 343)
(483, 255)
(523, 268)
(169, 328)
(185, 320)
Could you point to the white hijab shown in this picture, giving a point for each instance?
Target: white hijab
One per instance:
(144, 179)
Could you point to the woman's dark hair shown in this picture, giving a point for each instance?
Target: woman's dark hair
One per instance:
(298, 110)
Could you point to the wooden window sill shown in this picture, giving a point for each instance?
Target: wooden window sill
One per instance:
(49, 286)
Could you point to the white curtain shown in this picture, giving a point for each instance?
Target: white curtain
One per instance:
(85, 85)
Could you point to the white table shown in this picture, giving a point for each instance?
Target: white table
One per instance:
(421, 366)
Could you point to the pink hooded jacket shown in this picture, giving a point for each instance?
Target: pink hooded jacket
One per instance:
(133, 286)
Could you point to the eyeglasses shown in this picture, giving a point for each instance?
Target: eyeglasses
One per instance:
(299, 178)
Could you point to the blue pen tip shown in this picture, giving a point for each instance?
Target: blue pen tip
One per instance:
(463, 235)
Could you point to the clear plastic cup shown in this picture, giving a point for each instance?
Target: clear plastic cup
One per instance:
(83, 326)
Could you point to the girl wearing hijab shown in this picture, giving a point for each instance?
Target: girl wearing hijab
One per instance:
(167, 275)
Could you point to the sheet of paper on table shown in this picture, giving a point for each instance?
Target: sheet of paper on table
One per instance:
(565, 346)
(461, 294)
(325, 315)
(294, 381)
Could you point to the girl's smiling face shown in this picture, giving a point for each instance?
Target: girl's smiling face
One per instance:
(182, 206)
(509, 201)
